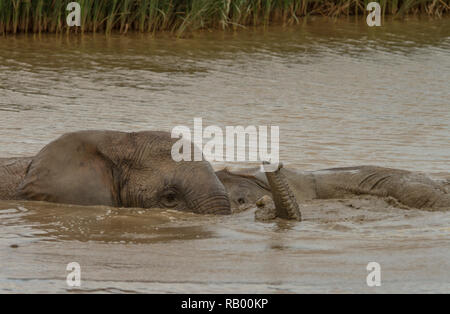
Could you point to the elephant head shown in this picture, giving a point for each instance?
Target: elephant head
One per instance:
(244, 186)
(122, 169)
(247, 187)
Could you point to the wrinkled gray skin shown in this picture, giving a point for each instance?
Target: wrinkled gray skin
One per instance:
(114, 169)
(12, 173)
(412, 189)
(136, 170)
(246, 191)
(286, 205)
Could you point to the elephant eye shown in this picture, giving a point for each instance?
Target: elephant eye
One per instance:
(169, 199)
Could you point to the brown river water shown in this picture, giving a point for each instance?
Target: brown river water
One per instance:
(343, 94)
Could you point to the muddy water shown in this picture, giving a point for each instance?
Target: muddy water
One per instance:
(341, 93)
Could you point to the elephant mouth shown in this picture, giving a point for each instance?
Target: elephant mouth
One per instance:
(216, 204)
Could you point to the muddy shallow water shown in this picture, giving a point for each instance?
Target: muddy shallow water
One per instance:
(342, 95)
(130, 250)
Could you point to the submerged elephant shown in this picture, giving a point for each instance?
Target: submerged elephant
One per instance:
(137, 170)
(114, 169)
(415, 190)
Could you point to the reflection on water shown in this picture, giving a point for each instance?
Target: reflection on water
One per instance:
(343, 94)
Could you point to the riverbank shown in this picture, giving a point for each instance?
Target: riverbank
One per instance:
(176, 16)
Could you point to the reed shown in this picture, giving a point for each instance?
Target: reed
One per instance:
(179, 16)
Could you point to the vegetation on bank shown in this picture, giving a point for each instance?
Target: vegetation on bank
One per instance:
(180, 15)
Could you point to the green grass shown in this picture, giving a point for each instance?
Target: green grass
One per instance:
(179, 16)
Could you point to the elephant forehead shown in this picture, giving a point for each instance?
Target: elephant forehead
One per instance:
(174, 171)
(194, 170)
(153, 145)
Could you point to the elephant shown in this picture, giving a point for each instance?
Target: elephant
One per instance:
(114, 169)
(136, 170)
(246, 186)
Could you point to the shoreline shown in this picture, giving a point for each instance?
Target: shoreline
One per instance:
(250, 29)
(184, 17)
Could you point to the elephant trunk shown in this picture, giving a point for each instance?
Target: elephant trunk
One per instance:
(217, 204)
(285, 203)
(203, 192)
(208, 196)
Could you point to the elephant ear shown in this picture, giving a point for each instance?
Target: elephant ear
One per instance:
(72, 170)
(253, 174)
